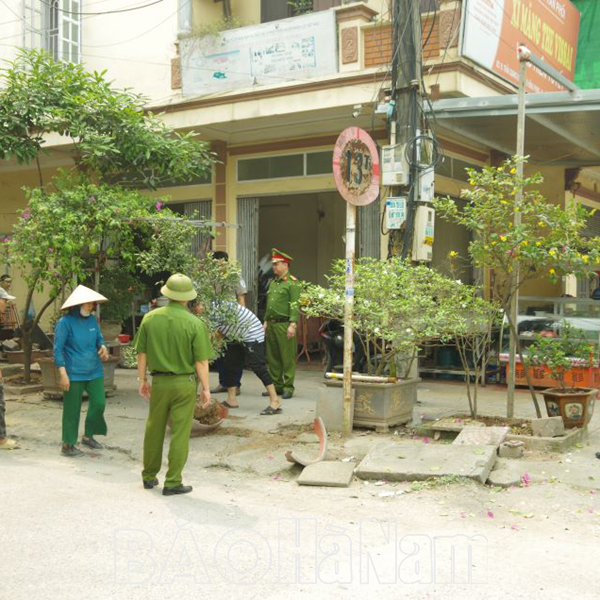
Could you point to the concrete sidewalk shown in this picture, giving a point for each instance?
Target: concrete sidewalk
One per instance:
(251, 443)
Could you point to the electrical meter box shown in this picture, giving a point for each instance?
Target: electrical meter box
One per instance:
(395, 212)
(394, 167)
(423, 234)
(427, 185)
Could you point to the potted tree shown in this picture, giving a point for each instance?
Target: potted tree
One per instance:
(398, 307)
(547, 243)
(558, 355)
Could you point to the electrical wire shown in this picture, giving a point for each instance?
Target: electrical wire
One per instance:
(107, 12)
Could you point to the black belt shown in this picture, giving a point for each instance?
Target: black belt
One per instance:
(169, 374)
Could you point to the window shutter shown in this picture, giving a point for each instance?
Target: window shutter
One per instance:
(325, 4)
(273, 10)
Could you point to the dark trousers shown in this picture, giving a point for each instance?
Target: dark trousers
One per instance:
(2, 412)
(251, 354)
(220, 365)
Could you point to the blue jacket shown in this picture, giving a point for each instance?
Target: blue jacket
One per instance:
(77, 340)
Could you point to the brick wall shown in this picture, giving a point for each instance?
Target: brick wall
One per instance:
(378, 43)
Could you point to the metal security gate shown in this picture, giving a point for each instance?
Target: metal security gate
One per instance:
(199, 210)
(247, 247)
(369, 232)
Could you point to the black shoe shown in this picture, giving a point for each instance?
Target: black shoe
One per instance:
(92, 443)
(71, 451)
(150, 483)
(597, 454)
(178, 489)
(286, 395)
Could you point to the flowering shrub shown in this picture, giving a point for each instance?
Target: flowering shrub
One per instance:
(398, 308)
(548, 243)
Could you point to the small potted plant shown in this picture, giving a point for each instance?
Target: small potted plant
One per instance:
(574, 404)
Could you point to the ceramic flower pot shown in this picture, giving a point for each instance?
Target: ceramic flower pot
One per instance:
(575, 406)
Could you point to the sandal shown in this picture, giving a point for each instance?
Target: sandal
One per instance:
(227, 405)
(271, 411)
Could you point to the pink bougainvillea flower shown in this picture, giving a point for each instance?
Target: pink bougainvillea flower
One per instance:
(525, 479)
(514, 527)
(463, 515)
(6, 239)
(426, 440)
(159, 205)
(490, 514)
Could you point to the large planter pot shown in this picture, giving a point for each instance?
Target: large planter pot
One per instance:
(51, 378)
(382, 405)
(18, 356)
(110, 330)
(575, 407)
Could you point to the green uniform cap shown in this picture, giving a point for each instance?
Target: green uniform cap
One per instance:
(179, 287)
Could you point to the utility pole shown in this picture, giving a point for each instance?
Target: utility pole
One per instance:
(406, 72)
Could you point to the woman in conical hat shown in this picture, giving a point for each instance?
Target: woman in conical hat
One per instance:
(78, 351)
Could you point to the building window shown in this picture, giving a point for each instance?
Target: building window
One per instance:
(455, 168)
(287, 165)
(54, 26)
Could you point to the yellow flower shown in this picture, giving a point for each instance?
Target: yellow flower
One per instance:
(538, 243)
(524, 242)
(552, 252)
(541, 223)
(585, 259)
(502, 238)
(503, 202)
(552, 272)
(472, 181)
(453, 253)
(513, 171)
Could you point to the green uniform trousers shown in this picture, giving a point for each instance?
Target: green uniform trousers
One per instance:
(281, 356)
(94, 420)
(174, 397)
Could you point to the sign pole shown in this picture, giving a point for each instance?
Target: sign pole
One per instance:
(349, 314)
(356, 174)
(514, 280)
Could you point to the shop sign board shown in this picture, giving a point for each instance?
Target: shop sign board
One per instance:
(356, 166)
(272, 53)
(493, 29)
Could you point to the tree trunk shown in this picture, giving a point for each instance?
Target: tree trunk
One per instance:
(514, 332)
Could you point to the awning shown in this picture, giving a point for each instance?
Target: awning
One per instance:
(562, 128)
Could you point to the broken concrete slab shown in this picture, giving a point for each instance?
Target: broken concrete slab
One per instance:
(511, 449)
(481, 436)
(417, 462)
(328, 473)
(508, 473)
(548, 427)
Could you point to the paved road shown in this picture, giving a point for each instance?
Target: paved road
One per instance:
(86, 528)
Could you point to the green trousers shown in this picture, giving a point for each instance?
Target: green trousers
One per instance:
(281, 356)
(94, 420)
(171, 397)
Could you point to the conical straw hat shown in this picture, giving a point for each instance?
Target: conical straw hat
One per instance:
(81, 295)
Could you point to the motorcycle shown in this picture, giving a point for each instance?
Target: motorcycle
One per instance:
(332, 334)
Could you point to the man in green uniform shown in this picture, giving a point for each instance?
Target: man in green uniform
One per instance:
(174, 345)
(281, 318)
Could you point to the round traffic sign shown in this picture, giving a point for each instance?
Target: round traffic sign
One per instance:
(356, 166)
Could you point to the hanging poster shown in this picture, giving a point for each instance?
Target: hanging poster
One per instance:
(272, 53)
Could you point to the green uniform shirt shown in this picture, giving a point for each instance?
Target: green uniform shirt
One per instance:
(282, 299)
(173, 340)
